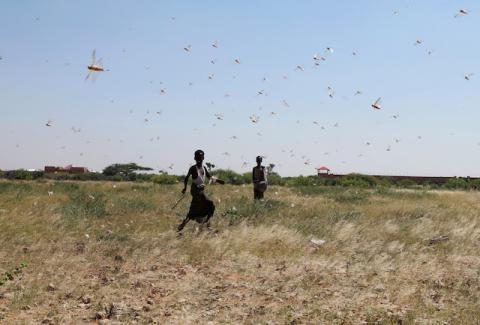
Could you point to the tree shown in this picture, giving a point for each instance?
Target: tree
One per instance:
(124, 170)
(270, 168)
(210, 166)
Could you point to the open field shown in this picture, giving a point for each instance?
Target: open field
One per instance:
(108, 252)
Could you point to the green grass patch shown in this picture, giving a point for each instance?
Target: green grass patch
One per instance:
(338, 194)
(83, 205)
(244, 208)
(125, 205)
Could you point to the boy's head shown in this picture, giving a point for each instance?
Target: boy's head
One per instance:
(199, 155)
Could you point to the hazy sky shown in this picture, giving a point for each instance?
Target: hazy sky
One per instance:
(46, 47)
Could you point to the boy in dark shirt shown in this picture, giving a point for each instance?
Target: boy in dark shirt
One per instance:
(259, 179)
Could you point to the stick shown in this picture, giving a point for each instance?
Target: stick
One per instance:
(179, 200)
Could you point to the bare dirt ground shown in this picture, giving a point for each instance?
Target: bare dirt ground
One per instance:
(108, 253)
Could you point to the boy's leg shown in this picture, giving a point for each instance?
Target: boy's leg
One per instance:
(210, 214)
(183, 224)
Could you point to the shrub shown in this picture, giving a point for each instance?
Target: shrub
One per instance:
(474, 184)
(86, 177)
(303, 181)
(456, 183)
(232, 216)
(330, 181)
(55, 177)
(21, 174)
(385, 182)
(12, 274)
(164, 179)
(406, 183)
(229, 176)
(247, 178)
(143, 177)
(275, 179)
(358, 180)
(116, 178)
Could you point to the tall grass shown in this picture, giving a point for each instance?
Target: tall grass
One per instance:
(82, 204)
(115, 244)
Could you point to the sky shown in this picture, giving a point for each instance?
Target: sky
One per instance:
(156, 103)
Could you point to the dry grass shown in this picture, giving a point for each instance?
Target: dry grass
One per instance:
(259, 268)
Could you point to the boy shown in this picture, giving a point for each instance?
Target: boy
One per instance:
(201, 208)
(259, 178)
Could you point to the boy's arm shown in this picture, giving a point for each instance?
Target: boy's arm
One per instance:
(185, 182)
(213, 179)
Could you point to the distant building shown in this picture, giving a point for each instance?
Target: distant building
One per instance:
(67, 170)
(323, 170)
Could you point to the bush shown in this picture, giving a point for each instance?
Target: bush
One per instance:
(474, 184)
(144, 177)
(12, 274)
(406, 183)
(330, 181)
(87, 177)
(116, 178)
(303, 181)
(456, 183)
(229, 176)
(247, 177)
(275, 179)
(21, 174)
(358, 180)
(164, 179)
(385, 182)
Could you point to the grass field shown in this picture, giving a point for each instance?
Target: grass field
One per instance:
(107, 252)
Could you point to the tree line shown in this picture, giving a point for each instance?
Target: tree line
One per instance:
(136, 173)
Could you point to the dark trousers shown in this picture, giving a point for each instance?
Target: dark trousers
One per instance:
(201, 209)
(257, 195)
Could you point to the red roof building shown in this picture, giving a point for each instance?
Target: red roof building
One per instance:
(323, 170)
